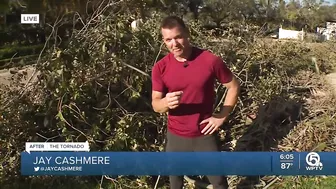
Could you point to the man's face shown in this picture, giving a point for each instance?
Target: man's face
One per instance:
(176, 40)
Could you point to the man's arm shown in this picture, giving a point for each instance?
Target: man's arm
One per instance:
(225, 76)
(231, 99)
(163, 104)
(159, 103)
(233, 89)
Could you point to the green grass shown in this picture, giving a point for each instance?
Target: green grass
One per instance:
(76, 182)
(50, 183)
(299, 182)
(313, 182)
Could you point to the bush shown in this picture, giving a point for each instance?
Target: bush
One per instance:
(16, 51)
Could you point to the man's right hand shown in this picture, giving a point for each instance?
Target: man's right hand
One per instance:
(173, 99)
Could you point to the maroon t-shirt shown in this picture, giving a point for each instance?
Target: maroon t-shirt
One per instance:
(197, 81)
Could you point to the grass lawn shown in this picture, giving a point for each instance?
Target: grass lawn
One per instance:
(301, 182)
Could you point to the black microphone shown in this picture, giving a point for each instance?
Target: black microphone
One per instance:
(185, 64)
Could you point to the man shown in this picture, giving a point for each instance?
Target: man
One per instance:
(183, 86)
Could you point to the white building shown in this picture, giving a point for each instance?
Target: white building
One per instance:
(328, 32)
(291, 34)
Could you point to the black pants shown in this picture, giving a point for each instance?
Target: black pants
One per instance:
(206, 143)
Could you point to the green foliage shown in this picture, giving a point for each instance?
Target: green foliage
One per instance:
(309, 182)
(88, 93)
(10, 51)
(94, 95)
(4, 6)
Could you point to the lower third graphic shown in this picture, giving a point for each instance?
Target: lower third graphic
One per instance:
(314, 162)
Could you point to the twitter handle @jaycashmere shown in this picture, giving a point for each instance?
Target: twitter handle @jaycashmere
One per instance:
(56, 168)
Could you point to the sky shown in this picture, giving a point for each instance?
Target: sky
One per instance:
(330, 1)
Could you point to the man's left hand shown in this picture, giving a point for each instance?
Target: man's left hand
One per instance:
(214, 122)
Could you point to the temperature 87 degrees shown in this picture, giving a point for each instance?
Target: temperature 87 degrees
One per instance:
(286, 165)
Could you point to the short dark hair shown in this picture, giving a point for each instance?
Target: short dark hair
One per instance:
(173, 21)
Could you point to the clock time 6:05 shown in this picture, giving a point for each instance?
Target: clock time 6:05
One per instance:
(287, 156)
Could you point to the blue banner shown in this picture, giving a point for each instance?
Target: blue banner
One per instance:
(178, 163)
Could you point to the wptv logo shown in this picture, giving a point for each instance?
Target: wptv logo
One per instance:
(313, 161)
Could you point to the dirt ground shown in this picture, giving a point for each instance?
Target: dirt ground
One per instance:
(7, 74)
(331, 78)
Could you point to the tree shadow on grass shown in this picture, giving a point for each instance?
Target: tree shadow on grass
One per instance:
(272, 123)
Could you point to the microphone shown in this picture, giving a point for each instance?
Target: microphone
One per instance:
(185, 64)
